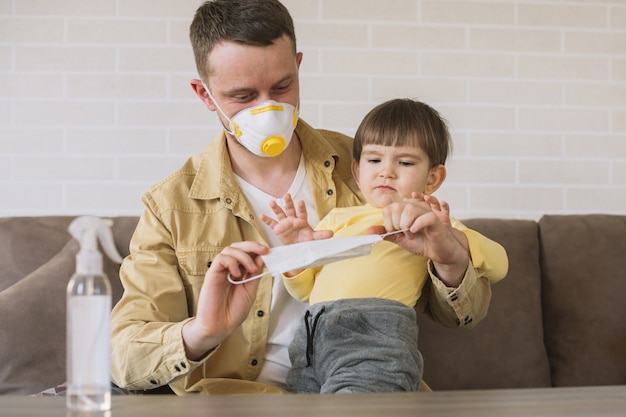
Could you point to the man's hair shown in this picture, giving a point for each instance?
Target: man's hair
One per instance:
(249, 22)
(405, 122)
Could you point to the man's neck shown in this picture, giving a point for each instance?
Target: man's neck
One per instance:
(272, 175)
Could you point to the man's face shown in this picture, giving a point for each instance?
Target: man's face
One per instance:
(242, 76)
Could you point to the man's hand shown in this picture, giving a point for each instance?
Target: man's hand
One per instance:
(222, 306)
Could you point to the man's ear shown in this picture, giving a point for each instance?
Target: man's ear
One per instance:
(198, 88)
(436, 177)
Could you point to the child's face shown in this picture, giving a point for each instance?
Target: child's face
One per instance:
(388, 174)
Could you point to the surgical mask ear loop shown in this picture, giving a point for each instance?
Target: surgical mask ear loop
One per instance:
(244, 280)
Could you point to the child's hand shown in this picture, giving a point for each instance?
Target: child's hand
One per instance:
(291, 225)
(429, 234)
(440, 208)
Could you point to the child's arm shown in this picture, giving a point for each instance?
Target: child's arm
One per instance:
(429, 234)
(467, 304)
(449, 301)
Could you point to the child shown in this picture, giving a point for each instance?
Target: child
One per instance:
(359, 334)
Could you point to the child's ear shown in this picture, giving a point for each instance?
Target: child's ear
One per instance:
(436, 177)
(355, 170)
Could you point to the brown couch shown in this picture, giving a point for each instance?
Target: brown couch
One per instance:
(558, 319)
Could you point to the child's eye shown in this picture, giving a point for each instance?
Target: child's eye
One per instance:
(406, 163)
(373, 160)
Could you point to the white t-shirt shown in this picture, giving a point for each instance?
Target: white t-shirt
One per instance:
(285, 311)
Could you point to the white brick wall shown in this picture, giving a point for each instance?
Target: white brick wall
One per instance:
(95, 103)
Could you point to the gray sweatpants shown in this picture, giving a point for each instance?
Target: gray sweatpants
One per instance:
(356, 345)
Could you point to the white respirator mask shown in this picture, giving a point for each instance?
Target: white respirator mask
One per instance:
(265, 129)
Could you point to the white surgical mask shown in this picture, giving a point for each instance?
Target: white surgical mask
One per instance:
(314, 253)
(265, 129)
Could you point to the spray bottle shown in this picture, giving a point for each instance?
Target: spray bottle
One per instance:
(88, 318)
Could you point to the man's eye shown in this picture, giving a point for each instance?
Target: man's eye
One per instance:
(280, 91)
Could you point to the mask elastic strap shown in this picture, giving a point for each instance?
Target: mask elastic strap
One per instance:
(248, 279)
(244, 280)
(218, 108)
(384, 235)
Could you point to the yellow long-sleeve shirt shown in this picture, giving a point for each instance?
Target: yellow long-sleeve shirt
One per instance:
(389, 271)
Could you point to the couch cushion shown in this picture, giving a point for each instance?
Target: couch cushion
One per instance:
(584, 282)
(505, 350)
(33, 313)
(27, 243)
(123, 229)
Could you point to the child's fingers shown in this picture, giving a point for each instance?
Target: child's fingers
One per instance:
(322, 234)
(268, 221)
(445, 207)
(418, 196)
(302, 210)
(433, 202)
(290, 209)
(278, 211)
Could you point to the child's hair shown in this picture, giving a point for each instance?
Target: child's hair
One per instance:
(405, 122)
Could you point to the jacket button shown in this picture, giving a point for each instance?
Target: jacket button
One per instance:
(229, 201)
(153, 382)
(254, 362)
(330, 192)
(326, 164)
(260, 313)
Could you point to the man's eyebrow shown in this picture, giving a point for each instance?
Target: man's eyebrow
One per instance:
(238, 90)
(246, 90)
(287, 78)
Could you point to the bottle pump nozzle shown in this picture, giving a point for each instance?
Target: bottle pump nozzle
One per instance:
(88, 230)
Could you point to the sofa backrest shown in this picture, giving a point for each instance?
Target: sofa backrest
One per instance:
(27, 243)
(583, 262)
(565, 286)
(506, 349)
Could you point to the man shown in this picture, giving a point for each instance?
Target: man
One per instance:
(202, 335)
